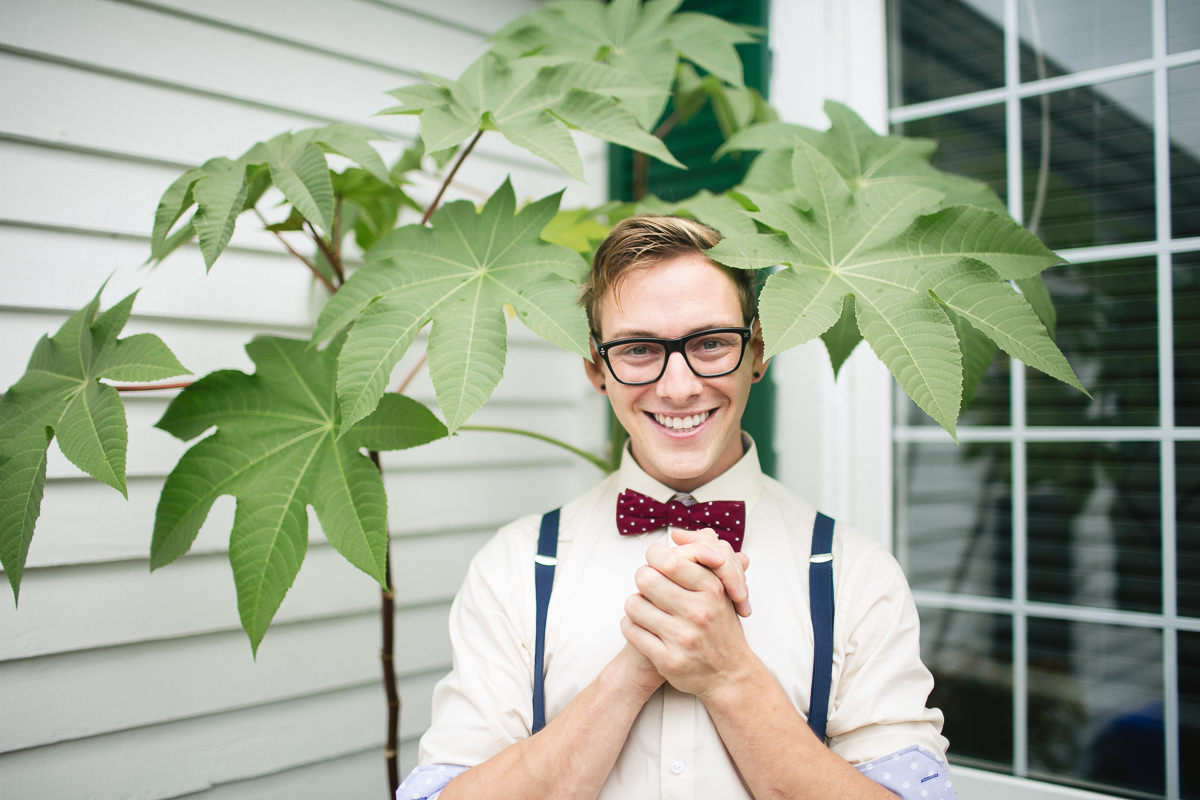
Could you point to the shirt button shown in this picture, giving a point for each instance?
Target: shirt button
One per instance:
(677, 767)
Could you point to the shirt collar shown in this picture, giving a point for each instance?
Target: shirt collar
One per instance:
(743, 481)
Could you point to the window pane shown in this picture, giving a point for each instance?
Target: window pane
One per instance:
(1096, 705)
(1189, 713)
(1185, 277)
(943, 48)
(969, 143)
(1089, 164)
(1063, 36)
(1094, 524)
(1108, 329)
(988, 406)
(1183, 25)
(970, 655)
(954, 517)
(1183, 84)
(1187, 519)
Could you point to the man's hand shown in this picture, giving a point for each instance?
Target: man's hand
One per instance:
(705, 548)
(682, 618)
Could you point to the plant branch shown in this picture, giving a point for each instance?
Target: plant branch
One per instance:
(151, 387)
(387, 651)
(591, 458)
(305, 261)
(412, 374)
(335, 261)
(450, 177)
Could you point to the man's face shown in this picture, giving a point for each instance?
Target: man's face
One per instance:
(684, 430)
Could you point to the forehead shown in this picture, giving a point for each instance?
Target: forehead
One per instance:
(672, 297)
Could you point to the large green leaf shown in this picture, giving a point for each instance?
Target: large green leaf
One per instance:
(533, 102)
(277, 451)
(861, 156)
(642, 42)
(907, 269)
(459, 273)
(61, 396)
(222, 188)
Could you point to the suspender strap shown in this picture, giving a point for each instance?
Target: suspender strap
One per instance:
(820, 596)
(543, 579)
(820, 600)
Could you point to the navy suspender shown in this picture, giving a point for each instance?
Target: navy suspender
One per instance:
(543, 578)
(820, 607)
(820, 595)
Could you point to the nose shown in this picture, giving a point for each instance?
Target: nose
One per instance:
(678, 382)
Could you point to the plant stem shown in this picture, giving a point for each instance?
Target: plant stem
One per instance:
(150, 387)
(450, 177)
(306, 262)
(335, 261)
(387, 650)
(591, 458)
(412, 374)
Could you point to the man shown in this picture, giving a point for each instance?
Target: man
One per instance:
(659, 681)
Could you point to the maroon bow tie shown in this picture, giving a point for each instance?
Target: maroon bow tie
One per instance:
(637, 513)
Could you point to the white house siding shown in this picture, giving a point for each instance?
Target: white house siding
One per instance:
(119, 683)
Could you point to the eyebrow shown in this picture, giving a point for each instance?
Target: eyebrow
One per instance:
(647, 334)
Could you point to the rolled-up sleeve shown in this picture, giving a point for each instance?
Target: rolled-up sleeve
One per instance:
(913, 774)
(882, 685)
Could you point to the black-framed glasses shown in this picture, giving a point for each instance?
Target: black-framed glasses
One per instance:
(709, 354)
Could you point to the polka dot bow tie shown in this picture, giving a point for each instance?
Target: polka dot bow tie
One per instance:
(637, 513)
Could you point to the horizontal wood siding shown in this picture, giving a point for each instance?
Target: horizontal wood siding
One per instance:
(119, 682)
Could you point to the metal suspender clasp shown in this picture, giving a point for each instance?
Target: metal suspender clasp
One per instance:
(551, 561)
(820, 558)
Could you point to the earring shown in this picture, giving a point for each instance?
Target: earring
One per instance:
(757, 375)
(603, 387)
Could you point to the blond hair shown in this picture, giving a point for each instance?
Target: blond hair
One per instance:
(646, 240)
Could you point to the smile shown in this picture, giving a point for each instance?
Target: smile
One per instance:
(681, 423)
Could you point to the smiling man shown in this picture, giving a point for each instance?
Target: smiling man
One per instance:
(659, 682)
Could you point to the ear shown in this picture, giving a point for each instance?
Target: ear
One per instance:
(594, 368)
(757, 348)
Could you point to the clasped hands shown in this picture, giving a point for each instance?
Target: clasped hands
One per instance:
(683, 622)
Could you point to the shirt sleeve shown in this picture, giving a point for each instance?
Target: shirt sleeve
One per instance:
(880, 684)
(426, 782)
(913, 774)
(485, 703)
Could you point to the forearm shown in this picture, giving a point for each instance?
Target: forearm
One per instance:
(773, 747)
(573, 755)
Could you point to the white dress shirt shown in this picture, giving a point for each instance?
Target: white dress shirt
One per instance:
(879, 685)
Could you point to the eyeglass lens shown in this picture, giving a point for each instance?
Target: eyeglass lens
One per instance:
(709, 354)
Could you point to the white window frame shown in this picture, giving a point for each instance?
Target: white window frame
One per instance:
(835, 439)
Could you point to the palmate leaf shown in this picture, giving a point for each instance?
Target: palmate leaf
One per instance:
(643, 42)
(534, 103)
(61, 396)
(222, 188)
(459, 274)
(277, 451)
(862, 157)
(909, 268)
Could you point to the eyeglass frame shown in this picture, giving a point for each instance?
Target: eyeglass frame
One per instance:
(675, 345)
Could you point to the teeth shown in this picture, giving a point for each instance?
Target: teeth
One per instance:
(681, 423)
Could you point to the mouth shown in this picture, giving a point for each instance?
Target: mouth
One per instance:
(683, 423)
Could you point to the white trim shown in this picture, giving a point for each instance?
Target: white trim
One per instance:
(834, 438)
(978, 784)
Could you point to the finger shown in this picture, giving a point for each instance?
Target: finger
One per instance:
(704, 548)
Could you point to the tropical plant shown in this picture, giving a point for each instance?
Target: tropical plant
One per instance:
(862, 237)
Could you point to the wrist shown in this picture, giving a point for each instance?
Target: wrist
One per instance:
(737, 689)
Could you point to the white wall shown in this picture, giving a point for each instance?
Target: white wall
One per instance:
(115, 682)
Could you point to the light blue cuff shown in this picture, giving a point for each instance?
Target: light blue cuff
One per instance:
(912, 773)
(426, 782)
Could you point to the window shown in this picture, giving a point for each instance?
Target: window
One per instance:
(1055, 551)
